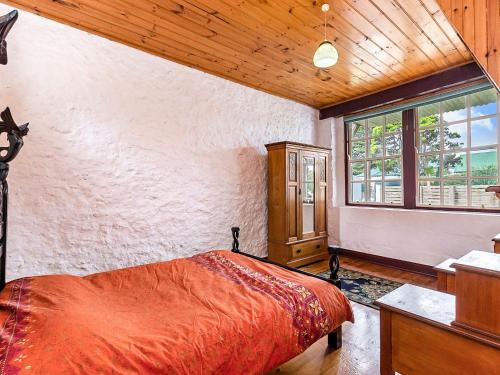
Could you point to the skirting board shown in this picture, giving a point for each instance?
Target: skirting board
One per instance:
(389, 262)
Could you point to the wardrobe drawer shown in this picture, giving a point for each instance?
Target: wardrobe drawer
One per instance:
(308, 248)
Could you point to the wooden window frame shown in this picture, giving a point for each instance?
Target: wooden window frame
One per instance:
(409, 155)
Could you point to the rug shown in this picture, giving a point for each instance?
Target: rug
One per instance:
(362, 288)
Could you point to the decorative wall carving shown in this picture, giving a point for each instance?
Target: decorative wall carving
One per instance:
(6, 23)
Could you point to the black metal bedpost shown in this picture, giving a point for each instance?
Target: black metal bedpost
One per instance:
(334, 265)
(236, 242)
(15, 136)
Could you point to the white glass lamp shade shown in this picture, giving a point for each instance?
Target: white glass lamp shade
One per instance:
(326, 55)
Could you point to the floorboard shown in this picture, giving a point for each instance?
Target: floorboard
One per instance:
(360, 352)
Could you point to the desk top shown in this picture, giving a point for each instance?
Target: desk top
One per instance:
(422, 303)
(445, 266)
(479, 261)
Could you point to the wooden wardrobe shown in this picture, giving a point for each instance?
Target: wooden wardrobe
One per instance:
(297, 209)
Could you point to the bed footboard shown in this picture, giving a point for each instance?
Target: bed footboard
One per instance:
(335, 337)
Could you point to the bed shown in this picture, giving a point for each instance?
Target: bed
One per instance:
(218, 312)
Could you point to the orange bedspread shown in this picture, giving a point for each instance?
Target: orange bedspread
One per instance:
(214, 313)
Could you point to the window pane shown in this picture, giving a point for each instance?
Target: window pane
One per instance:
(375, 147)
(358, 171)
(455, 164)
(430, 140)
(376, 126)
(375, 192)
(375, 169)
(429, 193)
(393, 193)
(392, 168)
(429, 166)
(484, 132)
(455, 192)
(358, 150)
(455, 136)
(393, 144)
(394, 122)
(358, 192)
(484, 163)
(428, 115)
(358, 129)
(481, 198)
(454, 109)
(483, 103)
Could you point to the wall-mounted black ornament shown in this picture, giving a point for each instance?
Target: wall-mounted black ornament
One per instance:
(6, 23)
(15, 136)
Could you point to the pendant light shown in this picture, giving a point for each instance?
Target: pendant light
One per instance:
(326, 55)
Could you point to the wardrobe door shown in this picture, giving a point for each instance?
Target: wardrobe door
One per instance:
(293, 194)
(307, 194)
(321, 199)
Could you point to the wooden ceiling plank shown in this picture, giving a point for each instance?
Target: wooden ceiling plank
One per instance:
(190, 58)
(493, 36)
(480, 30)
(457, 15)
(392, 10)
(440, 17)
(421, 17)
(468, 24)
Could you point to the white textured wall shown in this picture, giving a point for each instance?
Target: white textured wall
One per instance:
(421, 236)
(131, 158)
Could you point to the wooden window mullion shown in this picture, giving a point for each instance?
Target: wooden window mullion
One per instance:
(409, 159)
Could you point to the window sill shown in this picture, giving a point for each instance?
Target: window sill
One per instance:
(425, 208)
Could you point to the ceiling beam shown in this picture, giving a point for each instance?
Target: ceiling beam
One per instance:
(422, 86)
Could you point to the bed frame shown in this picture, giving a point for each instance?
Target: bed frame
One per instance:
(335, 337)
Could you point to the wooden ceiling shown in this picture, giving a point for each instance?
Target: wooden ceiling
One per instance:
(269, 44)
(478, 22)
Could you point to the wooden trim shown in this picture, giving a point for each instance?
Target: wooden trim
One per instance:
(289, 143)
(424, 208)
(386, 342)
(422, 86)
(404, 265)
(496, 244)
(409, 163)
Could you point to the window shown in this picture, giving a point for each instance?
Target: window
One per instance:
(451, 153)
(375, 159)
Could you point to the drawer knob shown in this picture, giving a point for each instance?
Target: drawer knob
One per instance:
(299, 251)
(318, 246)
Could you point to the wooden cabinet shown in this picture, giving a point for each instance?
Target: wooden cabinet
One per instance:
(297, 203)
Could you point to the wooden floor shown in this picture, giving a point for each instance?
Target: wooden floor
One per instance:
(360, 352)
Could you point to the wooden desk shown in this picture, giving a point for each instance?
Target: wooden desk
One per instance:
(417, 337)
(446, 276)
